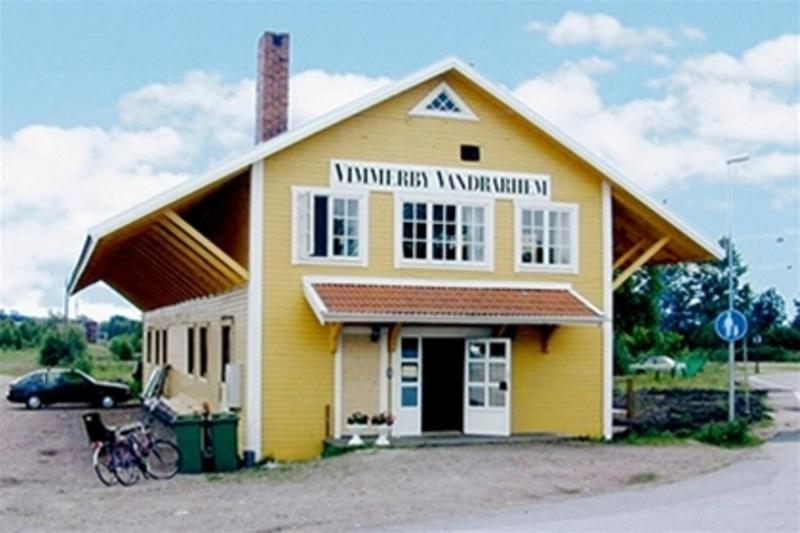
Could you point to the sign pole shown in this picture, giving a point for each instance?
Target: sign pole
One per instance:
(731, 342)
(731, 349)
(746, 380)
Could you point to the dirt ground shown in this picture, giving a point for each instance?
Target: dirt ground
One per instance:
(47, 483)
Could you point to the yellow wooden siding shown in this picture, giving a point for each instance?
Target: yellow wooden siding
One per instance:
(360, 371)
(206, 312)
(559, 391)
(298, 365)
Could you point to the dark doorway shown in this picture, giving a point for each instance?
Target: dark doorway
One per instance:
(442, 384)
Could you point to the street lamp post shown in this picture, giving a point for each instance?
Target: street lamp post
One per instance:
(731, 344)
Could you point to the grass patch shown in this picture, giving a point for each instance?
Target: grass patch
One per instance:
(104, 365)
(714, 376)
(768, 367)
(18, 362)
(652, 438)
(727, 435)
(641, 477)
(723, 434)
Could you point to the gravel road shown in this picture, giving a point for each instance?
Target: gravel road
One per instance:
(46, 482)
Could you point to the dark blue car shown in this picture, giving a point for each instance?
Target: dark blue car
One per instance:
(55, 385)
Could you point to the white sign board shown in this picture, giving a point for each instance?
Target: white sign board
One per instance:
(360, 175)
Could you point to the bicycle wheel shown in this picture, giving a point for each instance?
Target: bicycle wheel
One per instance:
(126, 464)
(163, 459)
(103, 462)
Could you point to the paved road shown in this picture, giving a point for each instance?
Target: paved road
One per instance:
(760, 492)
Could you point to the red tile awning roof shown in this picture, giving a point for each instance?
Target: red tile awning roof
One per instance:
(427, 302)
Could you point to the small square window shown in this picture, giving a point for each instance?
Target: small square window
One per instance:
(470, 152)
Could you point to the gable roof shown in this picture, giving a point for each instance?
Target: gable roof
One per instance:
(235, 165)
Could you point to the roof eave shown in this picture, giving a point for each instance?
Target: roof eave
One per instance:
(414, 318)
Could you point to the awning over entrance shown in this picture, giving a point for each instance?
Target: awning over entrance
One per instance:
(338, 300)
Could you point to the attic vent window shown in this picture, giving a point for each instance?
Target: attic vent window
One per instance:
(443, 102)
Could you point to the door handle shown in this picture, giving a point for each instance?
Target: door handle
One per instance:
(503, 385)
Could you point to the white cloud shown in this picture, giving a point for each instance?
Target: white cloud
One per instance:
(203, 107)
(686, 133)
(56, 182)
(775, 61)
(606, 31)
(315, 92)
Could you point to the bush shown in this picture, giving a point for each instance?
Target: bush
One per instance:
(121, 348)
(622, 356)
(10, 338)
(784, 336)
(64, 349)
(773, 353)
(83, 363)
(727, 434)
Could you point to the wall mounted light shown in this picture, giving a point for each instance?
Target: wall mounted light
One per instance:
(375, 334)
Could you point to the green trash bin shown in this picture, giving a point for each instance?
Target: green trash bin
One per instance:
(224, 441)
(188, 436)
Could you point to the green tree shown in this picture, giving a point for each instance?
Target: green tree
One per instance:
(10, 338)
(696, 293)
(796, 319)
(63, 348)
(121, 348)
(636, 302)
(769, 310)
(31, 333)
(120, 325)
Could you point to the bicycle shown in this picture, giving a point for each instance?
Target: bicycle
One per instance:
(124, 455)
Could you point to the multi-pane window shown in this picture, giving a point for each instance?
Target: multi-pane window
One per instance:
(443, 103)
(329, 226)
(547, 237)
(439, 232)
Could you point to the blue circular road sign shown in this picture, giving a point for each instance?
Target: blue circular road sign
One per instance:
(730, 325)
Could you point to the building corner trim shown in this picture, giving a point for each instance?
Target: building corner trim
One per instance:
(608, 308)
(255, 298)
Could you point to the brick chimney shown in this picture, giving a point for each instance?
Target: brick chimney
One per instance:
(272, 85)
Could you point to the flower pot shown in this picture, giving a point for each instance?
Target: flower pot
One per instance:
(356, 430)
(383, 434)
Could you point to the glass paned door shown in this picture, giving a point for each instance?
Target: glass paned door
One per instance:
(487, 382)
(408, 395)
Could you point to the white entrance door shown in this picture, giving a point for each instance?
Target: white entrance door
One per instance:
(487, 395)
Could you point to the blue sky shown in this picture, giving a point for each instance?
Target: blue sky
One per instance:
(116, 101)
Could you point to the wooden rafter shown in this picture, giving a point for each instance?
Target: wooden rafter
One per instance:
(640, 261)
(627, 255)
(166, 271)
(173, 251)
(179, 250)
(203, 246)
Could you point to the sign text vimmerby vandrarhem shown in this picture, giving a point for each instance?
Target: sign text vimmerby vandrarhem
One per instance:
(362, 175)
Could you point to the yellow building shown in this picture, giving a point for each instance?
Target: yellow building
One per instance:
(434, 250)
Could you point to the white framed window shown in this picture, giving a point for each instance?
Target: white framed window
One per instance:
(432, 232)
(329, 226)
(443, 102)
(546, 237)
